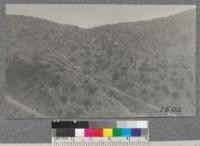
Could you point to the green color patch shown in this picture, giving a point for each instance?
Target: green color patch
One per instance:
(117, 132)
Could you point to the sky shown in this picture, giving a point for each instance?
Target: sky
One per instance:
(88, 16)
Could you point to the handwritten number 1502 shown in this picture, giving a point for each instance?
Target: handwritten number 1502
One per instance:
(171, 109)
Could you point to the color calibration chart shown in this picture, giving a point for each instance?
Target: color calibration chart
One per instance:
(100, 133)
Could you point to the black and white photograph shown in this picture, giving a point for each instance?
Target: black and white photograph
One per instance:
(100, 61)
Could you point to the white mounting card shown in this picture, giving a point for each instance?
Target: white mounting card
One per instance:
(100, 61)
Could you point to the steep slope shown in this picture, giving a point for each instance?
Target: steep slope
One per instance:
(125, 69)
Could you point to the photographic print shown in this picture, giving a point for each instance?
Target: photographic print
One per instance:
(100, 61)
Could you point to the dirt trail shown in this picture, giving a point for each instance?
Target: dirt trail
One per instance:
(128, 97)
(25, 108)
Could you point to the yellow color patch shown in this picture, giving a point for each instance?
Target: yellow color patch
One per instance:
(107, 132)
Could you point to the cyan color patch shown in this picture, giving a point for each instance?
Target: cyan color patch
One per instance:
(126, 132)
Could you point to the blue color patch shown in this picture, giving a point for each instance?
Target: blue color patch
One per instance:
(126, 132)
(136, 132)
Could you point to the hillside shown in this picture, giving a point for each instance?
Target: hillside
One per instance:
(126, 69)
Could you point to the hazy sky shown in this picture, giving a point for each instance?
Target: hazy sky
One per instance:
(87, 16)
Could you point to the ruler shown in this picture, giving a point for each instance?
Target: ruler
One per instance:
(100, 133)
(155, 143)
(99, 142)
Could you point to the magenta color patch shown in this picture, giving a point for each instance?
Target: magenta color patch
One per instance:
(89, 132)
